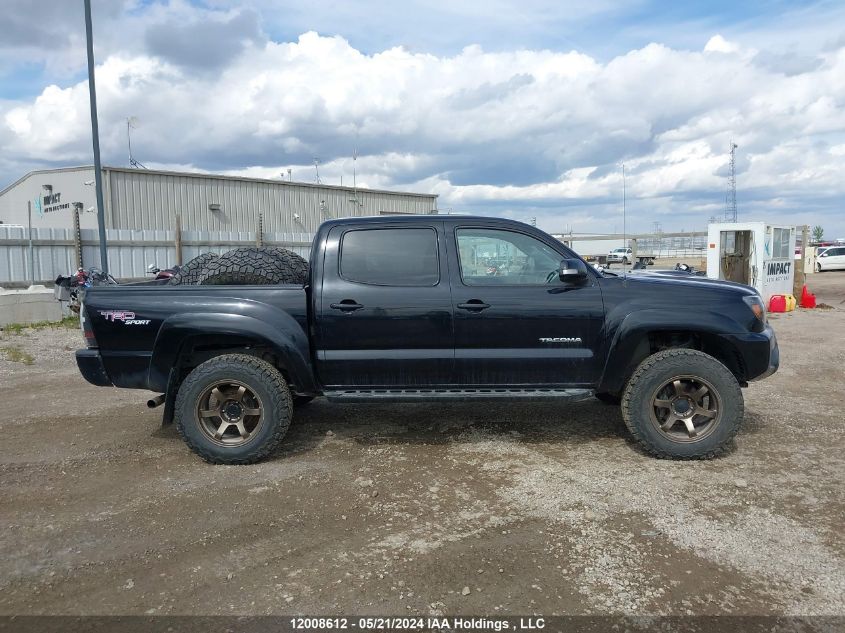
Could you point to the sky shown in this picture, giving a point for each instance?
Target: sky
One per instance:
(517, 109)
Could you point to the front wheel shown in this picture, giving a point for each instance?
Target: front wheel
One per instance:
(683, 404)
(818, 267)
(233, 409)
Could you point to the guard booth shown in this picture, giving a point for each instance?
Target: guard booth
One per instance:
(753, 253)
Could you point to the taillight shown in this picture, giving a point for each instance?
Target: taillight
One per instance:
(87, 330)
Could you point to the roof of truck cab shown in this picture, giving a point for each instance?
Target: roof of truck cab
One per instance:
(417, 217)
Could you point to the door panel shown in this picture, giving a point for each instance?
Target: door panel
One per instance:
(516, 323)
(385, 310)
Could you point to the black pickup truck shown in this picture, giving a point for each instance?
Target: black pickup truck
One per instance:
(433, 308)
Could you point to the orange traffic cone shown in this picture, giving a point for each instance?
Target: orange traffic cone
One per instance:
(808, 300)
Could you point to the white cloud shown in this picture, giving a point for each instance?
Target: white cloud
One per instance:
(718, 44)
(524, 132)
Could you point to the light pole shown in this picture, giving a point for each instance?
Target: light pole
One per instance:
(95, 134)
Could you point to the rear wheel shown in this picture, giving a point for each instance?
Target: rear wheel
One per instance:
(683, 404)
(233, 409)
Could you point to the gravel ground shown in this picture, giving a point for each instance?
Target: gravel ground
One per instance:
(424, 509)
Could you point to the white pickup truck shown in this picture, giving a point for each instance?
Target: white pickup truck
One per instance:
(624, 255)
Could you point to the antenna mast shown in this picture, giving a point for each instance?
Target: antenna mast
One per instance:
(355, 173)
(730, 197)
(130, 123)
(317, 171)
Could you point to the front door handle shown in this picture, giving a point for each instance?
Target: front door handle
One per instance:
(474, 305)
(347, 305)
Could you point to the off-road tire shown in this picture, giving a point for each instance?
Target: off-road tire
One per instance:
(255, 266)
(662, 367)
(190, 273)
(609, 398)
(263, 379)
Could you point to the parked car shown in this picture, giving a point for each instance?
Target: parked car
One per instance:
(395, 309)
(831, 258)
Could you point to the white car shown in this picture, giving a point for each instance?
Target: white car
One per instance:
(622, 255)
(831, 258)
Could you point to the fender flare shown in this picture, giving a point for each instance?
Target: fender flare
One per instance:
(623, 354)
(284, 336)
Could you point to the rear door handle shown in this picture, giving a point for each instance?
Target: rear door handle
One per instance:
(347, 305)
(474, 305)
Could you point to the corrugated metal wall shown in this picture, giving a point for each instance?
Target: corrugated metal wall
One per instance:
(141, 207)
(130, 252)
(51, 259)
(139, 199)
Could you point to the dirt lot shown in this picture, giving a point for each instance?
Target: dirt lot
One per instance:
(424, 508)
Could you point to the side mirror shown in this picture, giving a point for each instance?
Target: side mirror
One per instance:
(572, 271)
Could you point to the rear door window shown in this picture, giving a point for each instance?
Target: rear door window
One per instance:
(390, 257)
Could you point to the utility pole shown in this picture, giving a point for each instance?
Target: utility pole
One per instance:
(95, 136)
(625, 232)
(31, 251)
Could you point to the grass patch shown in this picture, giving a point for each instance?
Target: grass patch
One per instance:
(16, 355)
(69, 322)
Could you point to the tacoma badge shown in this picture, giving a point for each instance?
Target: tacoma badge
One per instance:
(560, 339)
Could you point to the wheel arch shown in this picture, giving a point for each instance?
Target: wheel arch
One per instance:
(186, 340)
(642, 334)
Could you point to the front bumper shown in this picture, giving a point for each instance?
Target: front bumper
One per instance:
(774, 356)
(760, 353)
(91, 367)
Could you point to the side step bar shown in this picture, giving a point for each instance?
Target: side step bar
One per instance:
(456, 395)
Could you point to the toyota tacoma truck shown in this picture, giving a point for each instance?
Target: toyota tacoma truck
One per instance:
(405, 309)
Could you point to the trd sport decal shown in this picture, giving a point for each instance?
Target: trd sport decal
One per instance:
(125, 316)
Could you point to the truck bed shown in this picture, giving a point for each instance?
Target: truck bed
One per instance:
(140, 328)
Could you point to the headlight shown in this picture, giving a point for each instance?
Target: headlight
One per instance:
(755, 302)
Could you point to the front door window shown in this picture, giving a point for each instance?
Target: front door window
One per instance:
(505, 258)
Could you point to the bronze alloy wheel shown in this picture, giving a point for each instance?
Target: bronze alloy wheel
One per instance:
(686, 409)
(229, 413)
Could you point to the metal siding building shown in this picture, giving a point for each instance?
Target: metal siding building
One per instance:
(140, 199)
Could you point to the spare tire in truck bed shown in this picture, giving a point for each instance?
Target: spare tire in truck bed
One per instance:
(255, 266)
(189, 274)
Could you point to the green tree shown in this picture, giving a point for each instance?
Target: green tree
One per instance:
(818, 233)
